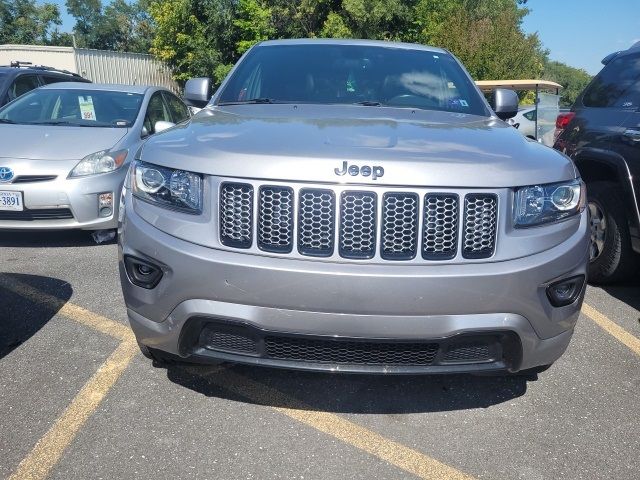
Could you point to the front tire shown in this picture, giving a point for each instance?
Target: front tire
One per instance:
(611, 258)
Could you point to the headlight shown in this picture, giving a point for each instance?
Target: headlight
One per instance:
(167, 187)
(103, 161)
(539, 204)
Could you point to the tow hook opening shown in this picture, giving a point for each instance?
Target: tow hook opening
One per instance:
(142, 273)
(566, 291)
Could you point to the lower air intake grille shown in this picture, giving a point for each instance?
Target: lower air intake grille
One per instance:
(468, 353)
(213, 340)
(38, 214)
(480, 224)
(316, 222)
(236, 207)
(350, 352)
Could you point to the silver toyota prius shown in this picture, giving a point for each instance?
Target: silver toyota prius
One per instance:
(65, 149)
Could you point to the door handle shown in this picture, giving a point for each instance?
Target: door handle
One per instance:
(633, 135)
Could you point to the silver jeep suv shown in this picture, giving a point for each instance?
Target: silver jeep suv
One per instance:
(353, 206)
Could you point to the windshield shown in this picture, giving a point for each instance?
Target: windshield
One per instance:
(75, 107)
(352, 74)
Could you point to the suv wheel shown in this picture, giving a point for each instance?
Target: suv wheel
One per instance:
(611, 258)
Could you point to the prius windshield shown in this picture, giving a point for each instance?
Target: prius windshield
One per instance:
(352, 74)
(73, 107)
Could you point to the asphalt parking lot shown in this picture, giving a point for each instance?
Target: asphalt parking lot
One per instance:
(77, 400)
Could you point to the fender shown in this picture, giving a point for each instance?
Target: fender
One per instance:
(623, 174)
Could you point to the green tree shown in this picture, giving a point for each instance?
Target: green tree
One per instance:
(574, 80)
(120, 25)
(26, 22)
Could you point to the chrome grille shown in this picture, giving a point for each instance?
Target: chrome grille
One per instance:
(303, 221)
(480, 223)
(358, 224)
(275, 219)
(440, 226)
(316, 220)
(236, 207)
(399, 226)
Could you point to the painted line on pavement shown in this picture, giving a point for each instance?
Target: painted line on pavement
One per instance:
(394, 453)
(49, 449)
(612, 328)
(68, 309)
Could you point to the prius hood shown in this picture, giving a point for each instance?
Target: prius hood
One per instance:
(316, 142)
(50, 142)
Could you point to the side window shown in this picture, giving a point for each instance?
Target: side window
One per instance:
(179, 111)
(530, 115)
(21, 85)
(47, 79)
(617, 85)
(156, 111)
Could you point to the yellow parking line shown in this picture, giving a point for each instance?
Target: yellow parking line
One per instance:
(612, 328)
(401, 456)
(49, 449)
(68, 309)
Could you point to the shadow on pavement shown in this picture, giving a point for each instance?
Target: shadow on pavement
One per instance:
(21, 318)
(49, 238)
(628, 293)
(340, 393)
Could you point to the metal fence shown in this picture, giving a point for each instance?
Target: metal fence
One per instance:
(102, 66)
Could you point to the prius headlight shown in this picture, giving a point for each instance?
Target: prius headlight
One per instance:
(540, 204)
(167, 187)
(103, 161)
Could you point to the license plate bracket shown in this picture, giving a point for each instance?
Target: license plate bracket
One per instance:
(11, 201)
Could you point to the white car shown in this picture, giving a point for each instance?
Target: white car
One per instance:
(525, 121)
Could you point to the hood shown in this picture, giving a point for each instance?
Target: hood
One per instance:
(313, 142)
(50, 142)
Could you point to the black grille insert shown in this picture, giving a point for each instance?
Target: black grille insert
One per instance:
(236, 215)
(358, 224)
(480, 225)
(275, 219)
(440, 226)
(316, 222)
(350, 352)
(33, 178)
(37, 214)
(399, 226)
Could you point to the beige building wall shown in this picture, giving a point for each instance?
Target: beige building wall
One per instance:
(62, 58)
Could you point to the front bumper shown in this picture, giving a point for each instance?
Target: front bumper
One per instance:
(64, 203)
(317, 301)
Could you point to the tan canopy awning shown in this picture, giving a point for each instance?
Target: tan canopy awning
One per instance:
(488, 85)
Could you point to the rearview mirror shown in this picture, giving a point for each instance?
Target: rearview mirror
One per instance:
(197, 92)
(161, 125)
(504, 102)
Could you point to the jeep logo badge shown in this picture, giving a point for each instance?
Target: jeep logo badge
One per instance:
(374, 172)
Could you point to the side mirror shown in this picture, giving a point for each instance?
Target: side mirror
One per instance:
(144, 132)
(504, 102)
(161, 125)
(197, 92)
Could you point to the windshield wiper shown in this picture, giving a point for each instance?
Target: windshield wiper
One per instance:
(368, 103)
(249, 102)
(66, 123)
(6, 120)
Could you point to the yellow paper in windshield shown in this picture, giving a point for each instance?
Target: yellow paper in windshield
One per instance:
(86, 108)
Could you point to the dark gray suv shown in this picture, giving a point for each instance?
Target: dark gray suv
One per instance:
(353, 206)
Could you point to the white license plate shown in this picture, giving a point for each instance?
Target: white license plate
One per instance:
(11, 201)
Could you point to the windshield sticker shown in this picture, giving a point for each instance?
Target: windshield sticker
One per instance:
(464, 103)
(86, 108)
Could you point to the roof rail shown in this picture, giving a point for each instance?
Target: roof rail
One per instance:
(21, 64)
